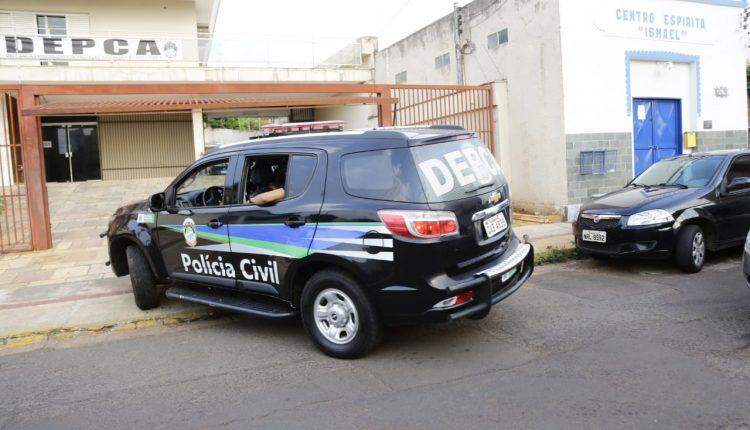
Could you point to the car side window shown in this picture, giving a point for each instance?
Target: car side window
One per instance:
(204, 186)
(301, 169)
(264, 179)
(739, 170)
(272, 178)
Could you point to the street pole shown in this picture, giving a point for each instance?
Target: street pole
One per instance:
(457, 30)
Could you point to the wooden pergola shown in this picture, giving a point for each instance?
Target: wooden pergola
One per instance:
(29, 104)
(469, 106)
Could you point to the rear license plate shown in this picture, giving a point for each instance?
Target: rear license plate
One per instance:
(594, 236)
(495, 224)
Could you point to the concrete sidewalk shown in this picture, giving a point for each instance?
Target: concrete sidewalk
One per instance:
(32, 309)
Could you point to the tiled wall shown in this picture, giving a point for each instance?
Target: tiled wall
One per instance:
(714, 140)
(582, 187)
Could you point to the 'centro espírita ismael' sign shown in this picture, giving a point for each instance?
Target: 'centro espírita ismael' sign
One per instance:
(656, 21)
(89, 48)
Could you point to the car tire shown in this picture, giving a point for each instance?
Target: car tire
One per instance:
(690, 250)
(142, 279)
(338, 315)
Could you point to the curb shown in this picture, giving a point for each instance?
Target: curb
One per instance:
(557, 254)
(18, 340)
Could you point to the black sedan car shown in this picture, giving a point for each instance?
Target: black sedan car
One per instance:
(679, 207)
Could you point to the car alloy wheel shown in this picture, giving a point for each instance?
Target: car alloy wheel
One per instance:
(336, 316)
(699, 249)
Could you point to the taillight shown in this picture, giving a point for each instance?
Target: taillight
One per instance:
(420, 224)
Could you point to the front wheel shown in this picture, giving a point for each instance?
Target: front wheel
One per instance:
(145, 290)
(338, 316)
(690, 251)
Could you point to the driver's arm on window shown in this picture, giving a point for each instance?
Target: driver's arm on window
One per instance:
(268, 197)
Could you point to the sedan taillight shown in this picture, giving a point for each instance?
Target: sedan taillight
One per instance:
(420, 224)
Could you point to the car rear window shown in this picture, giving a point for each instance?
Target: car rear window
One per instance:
(386, 174)
(456, 169)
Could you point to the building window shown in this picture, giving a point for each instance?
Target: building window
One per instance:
(443, 60)
(597, 162)
(51, 25)
(400, 77)
(496, 39)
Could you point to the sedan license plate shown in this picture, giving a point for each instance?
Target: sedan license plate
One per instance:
(594, 236)
(495, 224)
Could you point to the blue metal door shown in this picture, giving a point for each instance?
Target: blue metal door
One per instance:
(657, 131)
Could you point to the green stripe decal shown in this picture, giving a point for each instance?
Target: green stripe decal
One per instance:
(289, 250)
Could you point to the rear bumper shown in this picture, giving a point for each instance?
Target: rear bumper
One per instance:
(484, 282)
(488, 286)
(645, 242)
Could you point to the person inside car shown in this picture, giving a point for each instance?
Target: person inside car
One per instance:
(265, 186)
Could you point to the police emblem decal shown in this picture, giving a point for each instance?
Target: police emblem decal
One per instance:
(189, 232)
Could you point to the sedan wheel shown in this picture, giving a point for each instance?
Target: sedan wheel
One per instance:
(690, 249)
(699, 249)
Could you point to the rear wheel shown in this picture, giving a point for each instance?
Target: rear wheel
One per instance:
(142, 279)
(338, 315)
(690, 251)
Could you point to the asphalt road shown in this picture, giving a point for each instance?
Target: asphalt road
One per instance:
(582, 345)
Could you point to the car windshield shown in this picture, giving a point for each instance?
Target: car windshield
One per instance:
(684, 172)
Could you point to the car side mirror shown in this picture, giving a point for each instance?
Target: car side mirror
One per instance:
(157, 202)
(739, 183)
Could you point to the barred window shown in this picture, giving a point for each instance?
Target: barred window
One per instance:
(443, 60)
(597, 162)
(498, 38)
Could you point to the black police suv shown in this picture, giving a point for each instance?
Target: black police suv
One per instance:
(680, 207)
(349, 230)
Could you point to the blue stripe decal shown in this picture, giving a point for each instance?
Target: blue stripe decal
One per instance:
(279, 233)
(326, 236)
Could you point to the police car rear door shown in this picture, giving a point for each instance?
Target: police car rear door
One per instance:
(192, 233)
(266, 240)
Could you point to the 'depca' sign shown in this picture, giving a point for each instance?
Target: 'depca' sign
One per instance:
(89, 48)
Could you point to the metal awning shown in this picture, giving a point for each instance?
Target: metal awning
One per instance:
(144, 105)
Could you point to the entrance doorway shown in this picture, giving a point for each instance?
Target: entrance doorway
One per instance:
(657, 131)
(71, 152)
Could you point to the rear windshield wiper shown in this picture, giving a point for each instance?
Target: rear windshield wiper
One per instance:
(479, 188)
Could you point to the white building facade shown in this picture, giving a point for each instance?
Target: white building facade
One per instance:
(122, 43)
(590, 93)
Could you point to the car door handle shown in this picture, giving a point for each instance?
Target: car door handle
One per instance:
(294, 222)
(215, 223)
